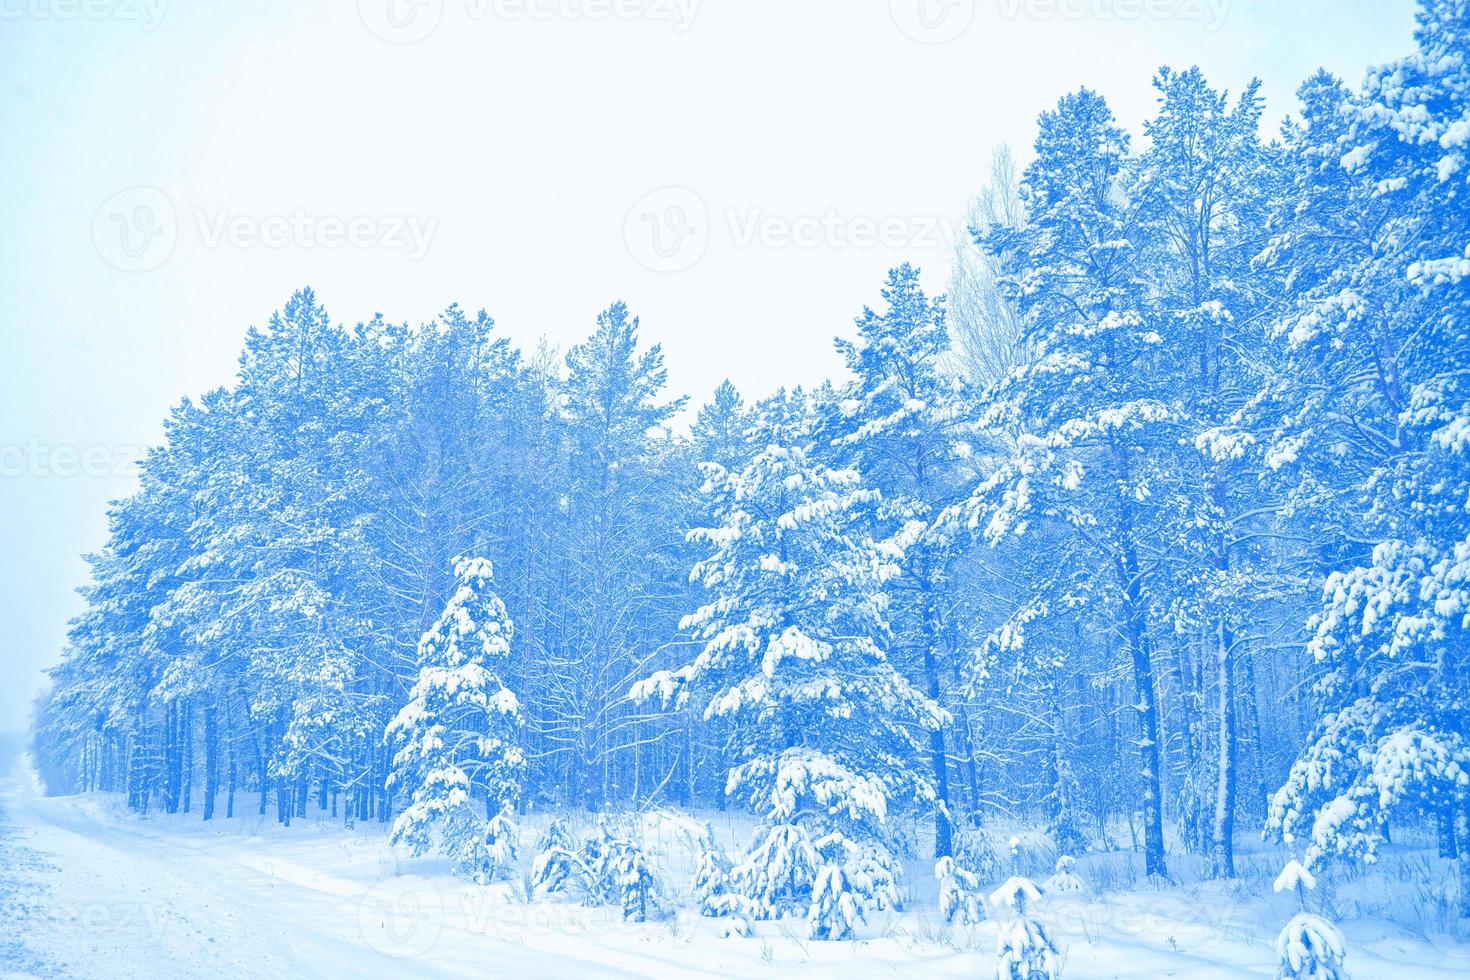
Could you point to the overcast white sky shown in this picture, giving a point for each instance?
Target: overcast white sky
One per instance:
(741, 172)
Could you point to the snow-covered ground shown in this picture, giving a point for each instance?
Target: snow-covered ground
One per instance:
(89, 890)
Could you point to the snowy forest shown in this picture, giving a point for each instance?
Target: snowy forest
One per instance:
(1149, 534)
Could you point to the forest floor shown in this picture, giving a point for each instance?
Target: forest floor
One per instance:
(89, 890)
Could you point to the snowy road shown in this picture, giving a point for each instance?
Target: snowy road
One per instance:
(93, 898)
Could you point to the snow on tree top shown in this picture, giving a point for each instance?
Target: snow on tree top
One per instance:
(1293, 877)
(1015, 892)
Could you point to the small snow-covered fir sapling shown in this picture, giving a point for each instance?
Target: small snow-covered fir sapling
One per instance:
(1065, 879)
(855, 878)
(1310, 947)
(960, 899)
(1024, 950)
(502, 843)
(633, 880)
(455, 740)
(711, 886)
(599, 850)
(779, 871)
(616, 872)
(555, 862)
(975, 853)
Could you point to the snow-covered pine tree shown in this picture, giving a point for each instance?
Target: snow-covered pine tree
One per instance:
(618, 517)
(906, 425)
(1024, 949)
(961, 902)
(635, 883)
(555, 863)
(853, 880)
(1091, 430)
(825, 731)
(615, 871)
(774, 878)
(502, 841)
(455, 740)
(711, 880)
(1309, 947)
(1202, 188)
(1380, 348)
(1065, 879)
(975, 853)
(721, 430)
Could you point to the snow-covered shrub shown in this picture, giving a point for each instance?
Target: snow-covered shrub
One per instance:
(854, 880)
(975, 853)
(960, 899)
(778, 873)
(1310, 947)
(1065, 879)
(614, 871)
(711, 884)
(502, 846)
(555, 863)
(632, 881)
(1024, 950)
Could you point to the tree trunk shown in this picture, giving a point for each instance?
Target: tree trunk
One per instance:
(1253, 718)
(261, 775)
(1462, 823)
(172, 756)
(211, 759)
(230, 794)
(1448, 846)
(943, 832)
(186, 722)
(1222, 849)
(1148, 712)
(1130, 577)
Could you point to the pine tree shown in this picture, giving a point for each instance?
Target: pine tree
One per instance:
(1381, 343)
(1024, 948)
(619, 522)
(1309, 947)
(711, 882)
(961, 901)
(1203, 190)
(1093, 434)
(794, 654)
(907, 429)
(555, 864)
(455, 739)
